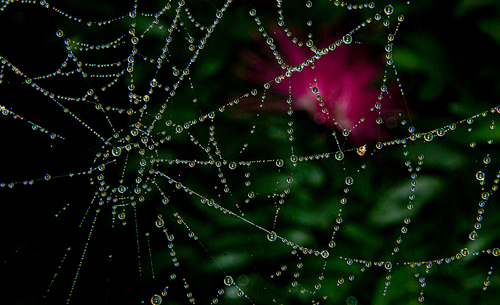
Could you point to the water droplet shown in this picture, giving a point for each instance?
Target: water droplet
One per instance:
(473, 235)
(159, 223)
(309, 4)
(232, 165)
(252, 12)
(339, 155)
(347, 39)
(59, 33)
(228, 280)
(272, 236)
(47, 177)
(326, 254)
(480, 176)
(280, 162)
(116, 151)
(349, 180)
(156, 300)
(388, 265)
(389, 9)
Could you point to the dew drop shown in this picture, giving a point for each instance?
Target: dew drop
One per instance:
(159, 223)
(485, 195)
(116, 151)
(389, 9)
(228, 280)
(349, 180)
(480, 176)
(156, 299)
(388, 265)
(280, 162)
(473, 235)
(339, 156)
(272, 236)
(59, 33)
(347, 39)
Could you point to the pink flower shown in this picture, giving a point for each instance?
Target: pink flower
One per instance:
(343, 78)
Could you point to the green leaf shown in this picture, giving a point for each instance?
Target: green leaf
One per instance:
(392, 207)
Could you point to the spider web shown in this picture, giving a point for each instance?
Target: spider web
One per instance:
(201, 152)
